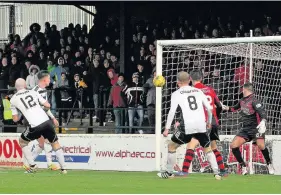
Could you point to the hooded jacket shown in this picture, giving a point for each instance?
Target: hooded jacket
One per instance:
(113, 80)
(32, 79)
(117, 95)
(56, 72)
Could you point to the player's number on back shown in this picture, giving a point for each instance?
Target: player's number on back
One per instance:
(28, 102)
(192, 103)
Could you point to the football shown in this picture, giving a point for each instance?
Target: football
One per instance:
(159, 81)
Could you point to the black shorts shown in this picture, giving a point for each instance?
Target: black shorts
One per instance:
(181, 138)
(214, 134)
(46, 130)
(250, 134)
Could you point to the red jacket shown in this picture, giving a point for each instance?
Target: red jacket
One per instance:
(115, 77)
(117, 96)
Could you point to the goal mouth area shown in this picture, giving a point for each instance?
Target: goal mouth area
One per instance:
(234, 61)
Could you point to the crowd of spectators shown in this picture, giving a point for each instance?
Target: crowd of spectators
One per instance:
(77, 58)
(226, 73)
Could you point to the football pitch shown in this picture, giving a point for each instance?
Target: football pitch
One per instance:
(105, 182)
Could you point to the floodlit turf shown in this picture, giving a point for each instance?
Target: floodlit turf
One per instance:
(44, 181)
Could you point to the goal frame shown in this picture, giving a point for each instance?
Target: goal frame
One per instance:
(159, 62)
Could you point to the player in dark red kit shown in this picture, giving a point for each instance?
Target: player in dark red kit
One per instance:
(196, 78)
(253, 118)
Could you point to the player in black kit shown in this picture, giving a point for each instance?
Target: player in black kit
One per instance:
(253, 119)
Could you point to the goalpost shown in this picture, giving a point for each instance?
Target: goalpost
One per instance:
(227, 63)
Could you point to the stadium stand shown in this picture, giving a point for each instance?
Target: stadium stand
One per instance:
(76, 53)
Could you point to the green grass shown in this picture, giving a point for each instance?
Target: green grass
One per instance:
(86, 182)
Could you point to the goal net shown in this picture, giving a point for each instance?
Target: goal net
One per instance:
(226, 64)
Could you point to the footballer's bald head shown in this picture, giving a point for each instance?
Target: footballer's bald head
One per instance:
(20, 84)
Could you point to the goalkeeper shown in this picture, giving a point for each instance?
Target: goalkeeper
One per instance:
(253, 118)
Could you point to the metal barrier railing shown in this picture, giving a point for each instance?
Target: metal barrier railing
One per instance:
(91, 127)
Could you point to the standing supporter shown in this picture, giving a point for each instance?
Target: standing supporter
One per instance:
(151, 99)
(117, 99)
(135, 95)
(4, 73)
(14, 72)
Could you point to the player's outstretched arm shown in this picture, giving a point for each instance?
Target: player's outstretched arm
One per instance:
(232, 109)
(172, 111)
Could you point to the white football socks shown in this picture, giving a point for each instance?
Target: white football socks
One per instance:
(48, 152)
(28, 155)
(171, 161)
(213, 162)
(60, 156)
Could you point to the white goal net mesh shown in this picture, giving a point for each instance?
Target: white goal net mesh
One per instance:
(226, 67)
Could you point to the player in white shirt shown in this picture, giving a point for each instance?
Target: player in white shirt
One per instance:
(43, 144)
(192, 102)
(29, 104)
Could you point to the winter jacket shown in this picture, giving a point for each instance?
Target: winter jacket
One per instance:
(4, 76)
(50, 68)
(64, 86)
(32, 79)
(56, 72)
(135, 95)
(151, 93)
(14, 74)
(117, 96)
(93, 79)
(114, 80)
(76, 70)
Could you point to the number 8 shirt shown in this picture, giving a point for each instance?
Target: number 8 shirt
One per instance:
(191, 102)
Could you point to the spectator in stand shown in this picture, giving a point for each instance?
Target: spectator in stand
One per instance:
(67, 62)
(77, 68)
(151, 99)
(66, 100)
(135, 95)
(50, 66)
(241, 76)
(25, 69)
(15, 71)
(93, 80)
(112, 76)
(108, 56)
(56, 73)
(42, 62)
(117, 99)
(116, 48)
(32, 79)
(102, 55)
(142, 74)
(115, 63)
(89, 58)
(152, 64)
(4, 74)
(107, 45)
